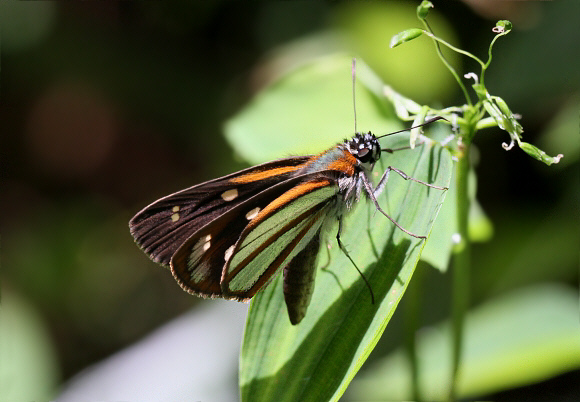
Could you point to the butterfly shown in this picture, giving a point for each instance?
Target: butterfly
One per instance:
(228, 237)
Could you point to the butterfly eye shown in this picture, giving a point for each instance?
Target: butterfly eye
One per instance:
(364, 154)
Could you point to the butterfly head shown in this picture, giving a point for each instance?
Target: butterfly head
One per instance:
(365, 147)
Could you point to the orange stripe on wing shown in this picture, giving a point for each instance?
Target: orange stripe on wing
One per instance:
(345, 165)
(285, 198)
(264, 174)
(274, 265)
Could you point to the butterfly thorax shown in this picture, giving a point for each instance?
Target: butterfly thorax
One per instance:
(361, 152)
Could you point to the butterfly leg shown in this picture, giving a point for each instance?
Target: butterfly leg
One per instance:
(383, 181)
(351, 260)
(328, 259)
(372, 195)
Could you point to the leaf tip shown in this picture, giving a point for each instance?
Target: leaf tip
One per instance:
(405, 36)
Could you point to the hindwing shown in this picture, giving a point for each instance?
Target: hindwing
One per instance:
(283, 229)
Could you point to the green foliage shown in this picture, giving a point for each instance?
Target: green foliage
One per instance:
(28, 367)
(470, 117)
(466, 120)
(536, 326)
(423, 9)
(414, 69)
(307, 111)
(405, 36)
(317, 359)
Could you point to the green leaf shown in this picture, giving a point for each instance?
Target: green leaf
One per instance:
(419, 119)
(405, 36)
(423, 9)
(316, 360)
(307, 111)
(403, 106)
(506, 120)
(520, 338)
(479, 89)
(539, 154)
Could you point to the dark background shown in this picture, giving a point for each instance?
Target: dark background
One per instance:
(106, 106)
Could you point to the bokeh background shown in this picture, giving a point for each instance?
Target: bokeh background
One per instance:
(106, 106)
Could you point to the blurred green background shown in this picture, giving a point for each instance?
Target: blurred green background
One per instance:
(106, 106)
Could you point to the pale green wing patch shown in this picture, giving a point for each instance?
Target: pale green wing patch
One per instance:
(274, 241)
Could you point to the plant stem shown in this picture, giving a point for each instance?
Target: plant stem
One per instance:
(461, 261)
(447, 64)
(413, 302)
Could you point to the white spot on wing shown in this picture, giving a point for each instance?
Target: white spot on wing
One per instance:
(175, 208)
(208, 238)
(174, 217)
(206, 245)
(252, 213)
(230, 195)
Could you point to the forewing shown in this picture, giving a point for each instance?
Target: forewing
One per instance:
(274, 237)
(198, 264)
(162, 227)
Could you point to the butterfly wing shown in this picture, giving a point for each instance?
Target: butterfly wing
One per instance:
(227, 237)
(277, 235)
(198, 263)
(162, 227)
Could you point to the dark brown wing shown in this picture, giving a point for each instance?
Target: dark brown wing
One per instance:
(162, 227)
(198, 264)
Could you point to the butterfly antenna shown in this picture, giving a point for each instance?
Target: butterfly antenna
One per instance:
(427, 122)
(353, 72)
